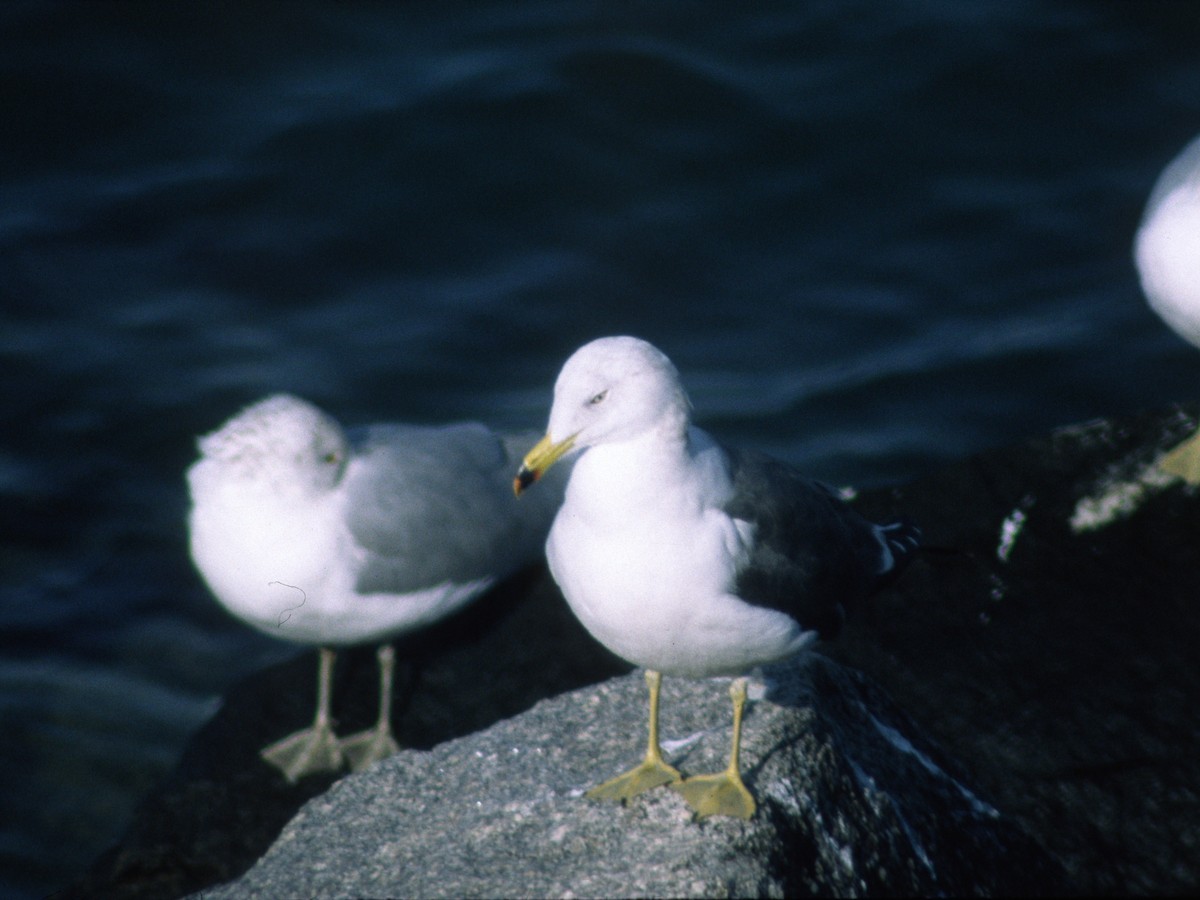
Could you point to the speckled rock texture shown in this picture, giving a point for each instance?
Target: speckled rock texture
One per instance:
(1040, 656)
(852, 802)
(1052, 644)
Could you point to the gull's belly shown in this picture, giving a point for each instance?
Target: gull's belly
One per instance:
(291, 573)
(659, 597)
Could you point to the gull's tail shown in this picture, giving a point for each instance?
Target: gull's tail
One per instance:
(900, 540)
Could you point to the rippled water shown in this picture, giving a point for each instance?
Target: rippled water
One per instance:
(874, 237)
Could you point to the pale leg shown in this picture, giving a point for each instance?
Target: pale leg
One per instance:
(313, 749)
(652, 771)
(1184, 460)
(723, 793)
(368, 747)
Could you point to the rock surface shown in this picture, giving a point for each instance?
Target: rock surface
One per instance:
(851, 802)
(1052, 649)
(223, 806)
(1045, 643)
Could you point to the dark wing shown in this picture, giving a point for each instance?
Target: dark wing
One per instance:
(812, 555)
(435, 504)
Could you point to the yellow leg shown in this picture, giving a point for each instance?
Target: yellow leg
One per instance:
(314, 749)
(1184, 460)
(723, 793)
(368, 747)
(652, 771)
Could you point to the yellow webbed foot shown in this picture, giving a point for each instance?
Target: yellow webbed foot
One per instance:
(719, 794)
(368, 747)
(723, 793)
(306, 752)
(1184, 461)
(650, 773)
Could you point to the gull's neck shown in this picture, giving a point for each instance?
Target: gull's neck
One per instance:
(242, 483)
(653, 469)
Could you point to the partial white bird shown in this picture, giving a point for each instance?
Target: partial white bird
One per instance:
(316, 536)
(689, 558)
(1167, 254)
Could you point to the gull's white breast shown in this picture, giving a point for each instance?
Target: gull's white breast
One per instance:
(647, 560)
(273, 560)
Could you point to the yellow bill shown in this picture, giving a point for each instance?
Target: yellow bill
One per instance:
(543, 455)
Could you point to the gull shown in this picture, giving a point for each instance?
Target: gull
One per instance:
(1167, 254)
(688, 558)
(322, 537)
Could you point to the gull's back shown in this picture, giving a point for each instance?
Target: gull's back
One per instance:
(434, 504)
(813, 555)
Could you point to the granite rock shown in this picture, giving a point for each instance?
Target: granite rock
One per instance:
(223, 806)
(853, 801)
(1048, 643)
(1043, 645)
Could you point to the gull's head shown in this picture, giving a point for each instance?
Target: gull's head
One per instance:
(612, 389)
(281, 443)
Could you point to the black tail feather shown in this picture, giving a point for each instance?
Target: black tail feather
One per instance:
(902, 539)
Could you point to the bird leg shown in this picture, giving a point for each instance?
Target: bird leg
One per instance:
(313, 749)
(1184, 460)
(723, 793)
(370, 746)
(652, 771)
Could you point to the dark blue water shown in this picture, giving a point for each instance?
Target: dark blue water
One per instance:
(874, 237)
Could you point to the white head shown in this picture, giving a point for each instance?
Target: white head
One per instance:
(612, 389)
(282, 443)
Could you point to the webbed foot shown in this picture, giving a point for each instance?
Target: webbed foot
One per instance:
(368, 747)
(723, 793)
(1184, 460)
(306, 752)
(648, 774)
(718, 794)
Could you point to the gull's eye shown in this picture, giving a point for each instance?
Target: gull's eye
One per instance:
(598, 399)
(331, 457)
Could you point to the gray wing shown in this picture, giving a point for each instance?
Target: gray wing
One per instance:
(435, 504)
(813, 555)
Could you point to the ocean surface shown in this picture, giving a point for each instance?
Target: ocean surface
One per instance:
(875, 237)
